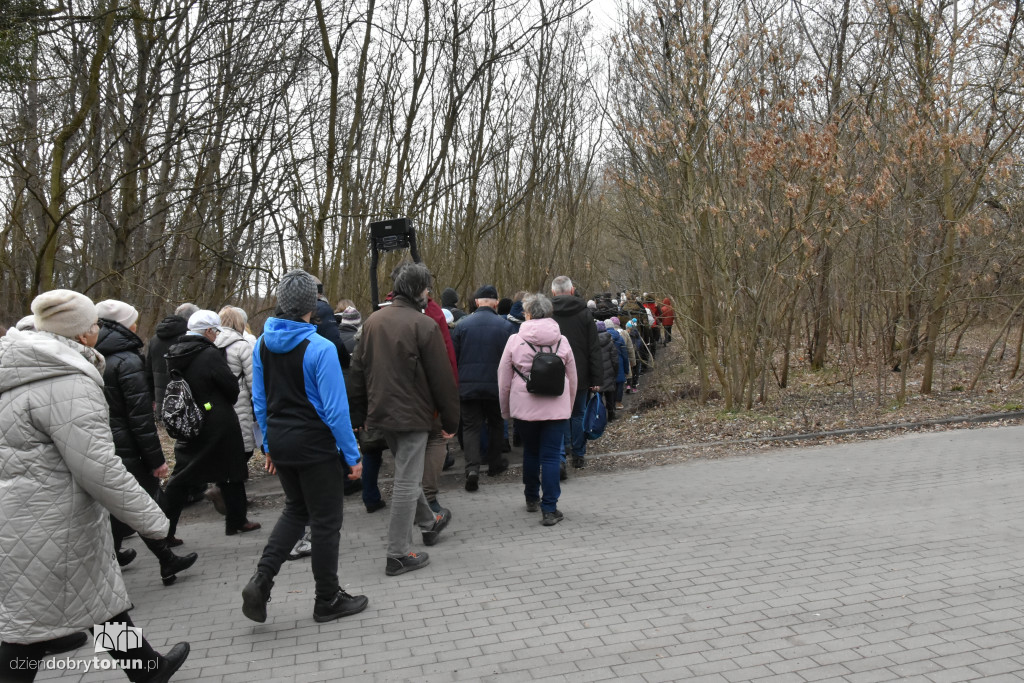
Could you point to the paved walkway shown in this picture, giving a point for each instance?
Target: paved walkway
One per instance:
(884, 560)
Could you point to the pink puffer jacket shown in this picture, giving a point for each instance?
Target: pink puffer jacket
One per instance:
(516, 401)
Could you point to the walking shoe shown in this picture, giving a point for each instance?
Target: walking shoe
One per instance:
(173, 542)
(409, 563)
(440, 522)
(578, 462)
(499, 469)
(619, 406)
(59, 646)
(506, 447)
(551, 518)
(353, 486)
(125, 557)
(379, 505)
(449, 461)
(170, 663)
(255, 597)
(245, 528)
(214, 495)
(532, 505)
(173, 564)
(303, 548)
(472, 481)
(341, 605)
(562, 473)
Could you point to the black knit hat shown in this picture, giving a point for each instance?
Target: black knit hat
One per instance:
(296, 294)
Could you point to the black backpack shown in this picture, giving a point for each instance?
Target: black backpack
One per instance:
(180, 414)
(547, 373)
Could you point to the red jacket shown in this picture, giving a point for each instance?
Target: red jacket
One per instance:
(435, 312)
(653, 308)
(668, 315)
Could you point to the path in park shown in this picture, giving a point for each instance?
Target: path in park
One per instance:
(882, 560)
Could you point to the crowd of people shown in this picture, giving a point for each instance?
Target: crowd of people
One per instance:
(322, 393)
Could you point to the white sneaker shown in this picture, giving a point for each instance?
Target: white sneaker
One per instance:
(304, 548)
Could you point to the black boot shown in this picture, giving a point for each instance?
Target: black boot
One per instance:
(170, 564)
(170, 663)
(126, 557)
(255, 597)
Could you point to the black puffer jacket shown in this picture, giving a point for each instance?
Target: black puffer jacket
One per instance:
(169, 329)
(218, 453)
(610, 361)
(327, 327)
(577, 324)
(127, 392)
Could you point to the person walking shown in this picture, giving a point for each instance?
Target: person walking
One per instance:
(61, 476)
(479, 340)
(217, 454)
(577, 324)
(401, 378)
(540, 420)
(668, 318)
(300, 401)
(132, 427)
(167, 332)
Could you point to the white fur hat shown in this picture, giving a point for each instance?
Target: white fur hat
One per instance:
(64, 312)
(118, 311)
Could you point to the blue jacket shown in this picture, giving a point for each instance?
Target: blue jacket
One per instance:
(296, 381)
(479, 340)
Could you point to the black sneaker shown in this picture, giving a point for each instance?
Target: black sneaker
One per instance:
(440, 522)
(409, 563)
(342, 605)
(551, 518)
(578, 462)
(255, 597)
(472, 481)
(379, 505)
(532, 505)
(499, 469)
(562, 473)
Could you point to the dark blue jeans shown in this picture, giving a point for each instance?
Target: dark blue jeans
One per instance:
(575, 439)
(542, 443)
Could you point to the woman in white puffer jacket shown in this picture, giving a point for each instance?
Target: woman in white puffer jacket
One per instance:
(59, 477)
(239, 354)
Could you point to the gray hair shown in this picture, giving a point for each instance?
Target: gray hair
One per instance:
(410, 280)
(537, 306)
(185, 310)
(561, 285)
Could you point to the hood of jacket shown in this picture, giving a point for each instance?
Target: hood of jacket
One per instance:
(281, 336)
(516, 315)
(115, 338)
(227, 337)
(32, 356)
(449, 298)
(172, 326)
(568, 304)
(185, 350)
(540, 332)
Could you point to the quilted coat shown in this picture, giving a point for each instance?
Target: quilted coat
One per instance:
(239, 356)
(128, 398)
(609, 361)
(217, 454)
(59, 477)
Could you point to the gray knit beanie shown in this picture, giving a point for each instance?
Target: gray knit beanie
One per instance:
(296, 294)
(64, 312)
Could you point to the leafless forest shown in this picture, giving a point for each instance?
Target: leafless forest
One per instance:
(811, 182)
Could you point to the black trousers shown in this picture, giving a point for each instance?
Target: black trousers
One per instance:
(175, 496)
(313, 497)
(19, 662)
(478, 413)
